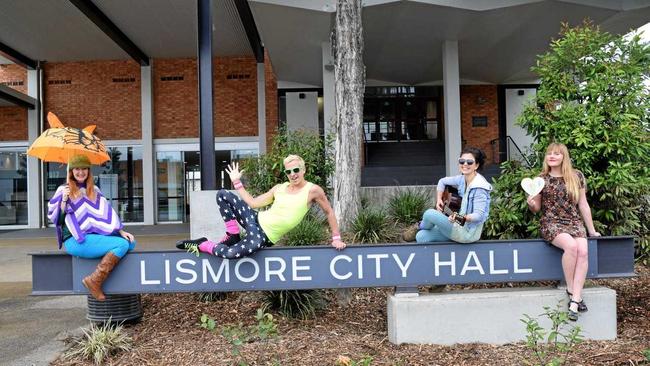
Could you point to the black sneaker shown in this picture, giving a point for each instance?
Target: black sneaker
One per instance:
(187, 243)
(230, 239)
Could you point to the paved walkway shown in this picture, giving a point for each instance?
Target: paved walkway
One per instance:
(32, 328)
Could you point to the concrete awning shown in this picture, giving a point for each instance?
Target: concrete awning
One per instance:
(498, 40)
(56, 31)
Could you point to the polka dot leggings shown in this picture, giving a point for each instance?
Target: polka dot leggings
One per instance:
(232, 207)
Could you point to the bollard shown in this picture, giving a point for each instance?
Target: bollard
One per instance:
(116, 308)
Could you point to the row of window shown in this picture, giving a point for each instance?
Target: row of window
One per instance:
(120, 180)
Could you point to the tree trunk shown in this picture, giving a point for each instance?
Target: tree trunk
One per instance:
(349, 87)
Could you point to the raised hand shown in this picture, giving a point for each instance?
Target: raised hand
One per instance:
(233, 171)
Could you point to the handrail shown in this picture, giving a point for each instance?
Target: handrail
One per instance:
(507, 139)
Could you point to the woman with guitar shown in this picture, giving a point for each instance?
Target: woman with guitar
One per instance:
(466, 225)
(564, 206)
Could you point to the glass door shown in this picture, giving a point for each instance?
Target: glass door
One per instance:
(171, 185)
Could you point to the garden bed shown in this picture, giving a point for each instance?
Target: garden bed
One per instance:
(170, 334)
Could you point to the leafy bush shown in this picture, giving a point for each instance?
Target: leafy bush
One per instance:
(100, 342)
(553, 346)
(265, 171)
(210, 296)
(299, 304)
(312, 230)
(371, 226)
(407, 206)
(510, 217)
(593, 99)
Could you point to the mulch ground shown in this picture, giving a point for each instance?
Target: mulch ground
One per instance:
(169, 334)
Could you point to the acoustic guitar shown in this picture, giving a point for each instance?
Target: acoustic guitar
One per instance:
(452, 202)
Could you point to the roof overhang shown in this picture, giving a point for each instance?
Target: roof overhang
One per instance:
(498, 40)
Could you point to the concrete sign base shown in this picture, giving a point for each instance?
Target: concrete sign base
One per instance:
(491, 316)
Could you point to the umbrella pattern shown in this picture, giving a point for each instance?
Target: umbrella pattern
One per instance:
(60, 143)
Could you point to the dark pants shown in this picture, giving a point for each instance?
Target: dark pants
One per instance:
(232, 207)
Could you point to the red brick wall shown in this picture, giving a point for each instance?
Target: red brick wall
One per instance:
(479, 100)
(235, 98)
(104, 93)
(13, 124)
(83, 93)
(12, 76)
(13, 120)
(176, 111)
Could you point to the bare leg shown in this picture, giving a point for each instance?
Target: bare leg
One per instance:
(569, 245)
(582, 265)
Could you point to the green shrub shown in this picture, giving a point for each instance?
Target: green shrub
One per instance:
(210, 296)
(407, 206)
(312, 230)
(593, 99)
(510, 217)
(299, 304)
(100, 342)
(264, 172)
(371, 226)
(552, 346)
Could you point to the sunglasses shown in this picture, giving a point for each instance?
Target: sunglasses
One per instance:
(294, 170)
(466, 161)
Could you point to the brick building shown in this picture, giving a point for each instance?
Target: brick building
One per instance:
(439, 76)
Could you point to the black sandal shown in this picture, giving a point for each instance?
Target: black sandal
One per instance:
(582, 307)
(573, 315)
(187, 243)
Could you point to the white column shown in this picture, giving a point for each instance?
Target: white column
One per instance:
(329, 107)
(261, 107)
(34, 203)
(148, 158)
(451, 85)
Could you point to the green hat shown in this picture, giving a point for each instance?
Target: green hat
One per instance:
(78, 161)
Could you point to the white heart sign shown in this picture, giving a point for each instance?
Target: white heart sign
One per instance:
(532, 186)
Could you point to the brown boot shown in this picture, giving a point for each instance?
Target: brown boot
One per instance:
(94, 281)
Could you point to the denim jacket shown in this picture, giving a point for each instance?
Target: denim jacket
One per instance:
(475, 204)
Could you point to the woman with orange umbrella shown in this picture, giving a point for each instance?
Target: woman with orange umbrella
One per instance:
(87, 225)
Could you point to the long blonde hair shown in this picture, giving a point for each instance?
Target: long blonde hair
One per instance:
(74, 188)
(568, 173)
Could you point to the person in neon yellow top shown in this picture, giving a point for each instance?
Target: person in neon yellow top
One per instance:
(289, 202)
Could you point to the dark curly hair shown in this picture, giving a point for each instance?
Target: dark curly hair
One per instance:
(478, 154)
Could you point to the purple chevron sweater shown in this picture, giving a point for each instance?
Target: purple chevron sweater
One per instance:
(83, 216)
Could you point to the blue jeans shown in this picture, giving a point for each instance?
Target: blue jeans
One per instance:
(435, 226)
(96, 246)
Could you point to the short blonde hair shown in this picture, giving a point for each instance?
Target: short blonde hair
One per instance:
(297, 158)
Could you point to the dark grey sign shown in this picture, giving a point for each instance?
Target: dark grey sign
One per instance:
(325, 267)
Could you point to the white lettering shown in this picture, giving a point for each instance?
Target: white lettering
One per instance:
(167, 273)
(492, 269)
(360, 267)
(224, 269)
(333, 264)
(403, 267)
(515, 261)
(277, 272)
(189, 271)
(452, 263)
(296, 268)
(466, 267)
(377, 258)
(255, 273)
(143, 279)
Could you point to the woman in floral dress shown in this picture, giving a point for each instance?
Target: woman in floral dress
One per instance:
(565, 213)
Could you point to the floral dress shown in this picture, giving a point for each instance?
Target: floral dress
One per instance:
(559, 213)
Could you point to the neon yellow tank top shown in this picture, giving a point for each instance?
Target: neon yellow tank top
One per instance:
(285, 213)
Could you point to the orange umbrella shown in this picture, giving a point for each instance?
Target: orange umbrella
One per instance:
(59, 143)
